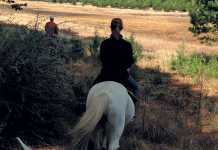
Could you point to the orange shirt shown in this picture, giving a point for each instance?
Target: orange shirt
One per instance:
(51, 28)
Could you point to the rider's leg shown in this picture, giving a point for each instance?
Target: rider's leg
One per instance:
(133, 85)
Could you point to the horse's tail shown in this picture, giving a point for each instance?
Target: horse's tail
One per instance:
(95, 109)
(24, 146)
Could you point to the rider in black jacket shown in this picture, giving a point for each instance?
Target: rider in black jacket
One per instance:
(116, 55)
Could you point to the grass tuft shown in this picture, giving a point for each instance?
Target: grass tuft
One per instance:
(195, 64)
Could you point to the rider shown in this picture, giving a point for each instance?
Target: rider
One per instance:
(116, 55)
(51, 27)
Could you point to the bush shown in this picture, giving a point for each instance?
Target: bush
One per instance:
(195, 64)
(205, 17)
(95, 45)
(137, 48)
(36, 95)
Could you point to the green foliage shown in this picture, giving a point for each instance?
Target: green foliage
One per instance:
(181, 5)
(36, 89)
(195, 64)
(95, 44)
(137, 48)
(205, 17)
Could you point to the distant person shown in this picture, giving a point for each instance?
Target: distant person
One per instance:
(116, 55)
(51, 28)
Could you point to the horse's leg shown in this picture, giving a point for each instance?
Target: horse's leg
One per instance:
(116, 123)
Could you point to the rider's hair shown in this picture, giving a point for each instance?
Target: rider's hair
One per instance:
(51, 18)
(116, 22)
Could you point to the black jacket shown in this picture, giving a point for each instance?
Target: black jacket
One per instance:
(116, 57)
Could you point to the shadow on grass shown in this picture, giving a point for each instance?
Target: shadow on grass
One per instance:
(173, 112)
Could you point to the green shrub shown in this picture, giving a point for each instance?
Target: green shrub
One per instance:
(195, 64)
(95, 45)
(36, 95)
(137, 48)
(205, 17)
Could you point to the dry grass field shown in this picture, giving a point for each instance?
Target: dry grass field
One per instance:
(158, 32)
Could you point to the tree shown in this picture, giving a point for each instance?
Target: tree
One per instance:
(205, 17)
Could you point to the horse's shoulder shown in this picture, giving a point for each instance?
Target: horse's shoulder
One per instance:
(108, 85)
(111, 89)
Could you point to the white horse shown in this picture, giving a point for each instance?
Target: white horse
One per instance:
(109, 99)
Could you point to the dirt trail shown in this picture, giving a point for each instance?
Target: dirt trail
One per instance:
(161, 32)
